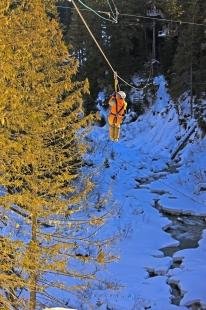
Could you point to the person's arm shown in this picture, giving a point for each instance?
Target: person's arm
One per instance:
(111, 101)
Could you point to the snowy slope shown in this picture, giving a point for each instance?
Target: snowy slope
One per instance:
(154, 181)
(143, 179)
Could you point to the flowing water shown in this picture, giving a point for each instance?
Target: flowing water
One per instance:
(187, 230)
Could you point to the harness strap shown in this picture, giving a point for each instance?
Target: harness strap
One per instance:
(116, 103)
(120, 109)
(117, 112)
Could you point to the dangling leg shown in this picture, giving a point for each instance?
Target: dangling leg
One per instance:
(116, 132)
(112, 132)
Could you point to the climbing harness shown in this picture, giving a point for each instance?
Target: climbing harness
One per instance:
(114, 126)
(118, 111)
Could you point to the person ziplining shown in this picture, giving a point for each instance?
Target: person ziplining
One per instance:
(117, 103)
(117, 109)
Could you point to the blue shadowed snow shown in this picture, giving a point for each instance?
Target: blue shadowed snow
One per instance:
(138, 170)
(136, 174)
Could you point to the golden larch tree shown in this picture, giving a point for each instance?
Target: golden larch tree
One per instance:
(48, 230)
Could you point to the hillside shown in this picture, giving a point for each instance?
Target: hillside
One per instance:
(161, 209)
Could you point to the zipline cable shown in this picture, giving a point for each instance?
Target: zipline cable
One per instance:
(89, 10)
(115, 14)
(113, 20)
(111, 9)
(163, 19)
(116, 10)
(138, 89)
(117, 76)
(93, 37)
(137, 16)
(100, 49)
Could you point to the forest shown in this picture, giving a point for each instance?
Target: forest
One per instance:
(165, 37)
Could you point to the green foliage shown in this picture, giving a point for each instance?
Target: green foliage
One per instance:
(128, 44)
(172, 8)
(189, 61)
(122, 42)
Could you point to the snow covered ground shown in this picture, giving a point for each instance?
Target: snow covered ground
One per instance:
(154, 179)
(146, 184)
(58, 308)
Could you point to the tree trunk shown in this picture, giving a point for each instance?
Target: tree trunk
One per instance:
(153, 46)
(33, 274)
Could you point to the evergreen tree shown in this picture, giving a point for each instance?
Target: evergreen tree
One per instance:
(127, 46)
(189, 70)
(92, 65)
(123, 43)
(10, 280)
(49, 226)
(128, 43)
